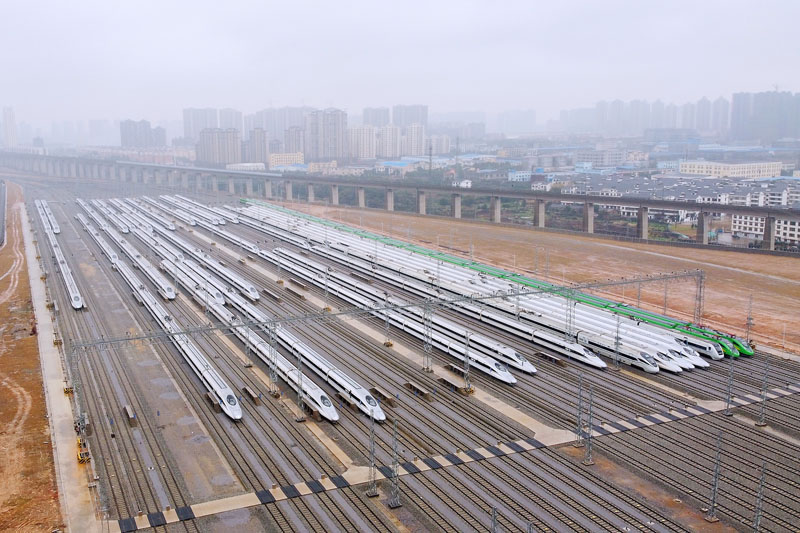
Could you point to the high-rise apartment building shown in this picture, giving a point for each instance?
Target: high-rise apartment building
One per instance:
(406, 115)
(361, 142)
(688, 115)
(258, 146)
(657, 114)
(276, 121)
(766, 116)
(230, 118)
(414, 140)
(388, 142)
(741, 113)
(294, 141)
(376, 116)
(439, 144)
(139, 134)
(720, 115)
(703, 114)
(326, 135)
(518, 121)
(219, 147)
(9, 128)
(196, 120)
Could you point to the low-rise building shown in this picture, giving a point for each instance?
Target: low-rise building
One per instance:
(754, 169)
(749, 226)
(282, 160)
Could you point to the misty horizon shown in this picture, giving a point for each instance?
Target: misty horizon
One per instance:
(150, 61)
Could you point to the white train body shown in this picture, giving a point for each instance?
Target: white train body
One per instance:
(75, 297)
(213, 382)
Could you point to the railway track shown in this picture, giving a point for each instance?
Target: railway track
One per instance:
(674, 470)
(139, 465)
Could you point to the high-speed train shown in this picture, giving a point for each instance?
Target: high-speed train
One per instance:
(214, 383)
(75, 297)
(230, 217)
(447, 328)
(238, 241)
(205, 294)
(455, 349)
(51, 219)
(149, 214)
(413, 263)
(311, 394)
(200, 214)
(177, 213)
(636, 356)
(483, 314)
(106, 248)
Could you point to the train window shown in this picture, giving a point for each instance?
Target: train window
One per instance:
(500, 367)
(76, 298)
(325, 401)
(371, 401)
(231, 399)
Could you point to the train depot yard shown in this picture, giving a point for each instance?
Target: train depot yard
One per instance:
(240, 363)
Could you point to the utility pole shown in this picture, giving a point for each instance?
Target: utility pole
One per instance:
(427, 318)
(301, 417)
(616, 345)
(729, 391)
(467, 384)
(493, 527)
(587, 459)
(394, 500)
(372, 489)
(388, 341)
(749, 324)
(273, 367)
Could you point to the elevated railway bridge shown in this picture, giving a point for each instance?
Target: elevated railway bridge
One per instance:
(283, 186)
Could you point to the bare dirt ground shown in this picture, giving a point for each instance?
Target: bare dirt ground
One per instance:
(28, 493)
(731, 277)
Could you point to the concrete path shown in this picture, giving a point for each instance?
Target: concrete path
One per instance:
(73, 490)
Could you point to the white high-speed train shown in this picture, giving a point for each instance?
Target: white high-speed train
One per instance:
(214, 383)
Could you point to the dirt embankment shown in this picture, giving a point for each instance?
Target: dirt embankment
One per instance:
(731, 277)
(28, 493)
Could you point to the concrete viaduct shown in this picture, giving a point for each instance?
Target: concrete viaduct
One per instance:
(260, 184)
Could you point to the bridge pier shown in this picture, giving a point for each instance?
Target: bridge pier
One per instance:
(361, 197)
(231, 185)
(267, 189)
(588, 217)
(334, 195)
(770, 226)
(702, 227)
(287, 185)
(310, 192)
(455, 205)
(539, 213)
(421, 202)
(495, 207)
(390, 199)
(642, 223)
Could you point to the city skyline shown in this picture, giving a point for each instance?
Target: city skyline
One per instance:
(512, 56)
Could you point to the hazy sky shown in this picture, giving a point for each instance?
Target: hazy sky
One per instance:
(106, 59)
